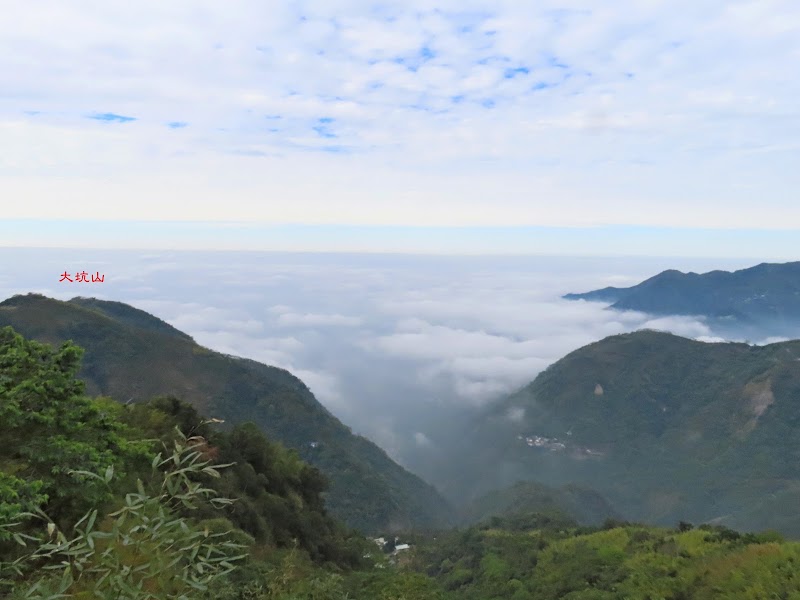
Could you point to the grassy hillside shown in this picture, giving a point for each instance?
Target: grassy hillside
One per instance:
(615, 563)
(664, 427)
(132, 356)
(764, 300)
(572, 502)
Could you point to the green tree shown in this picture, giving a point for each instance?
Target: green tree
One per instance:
(144, 550)
(49, 428)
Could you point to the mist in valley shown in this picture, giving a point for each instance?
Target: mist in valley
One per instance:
(408, 351)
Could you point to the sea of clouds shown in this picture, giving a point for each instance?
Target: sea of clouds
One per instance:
(395, 346)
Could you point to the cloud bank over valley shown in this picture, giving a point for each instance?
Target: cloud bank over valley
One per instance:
(396, 346)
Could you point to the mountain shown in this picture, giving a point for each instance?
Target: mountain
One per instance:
(665, 427)
(764, 298)
(176, 509)
(179, 509)
(132, 356)
(579, 504)
(620, 562)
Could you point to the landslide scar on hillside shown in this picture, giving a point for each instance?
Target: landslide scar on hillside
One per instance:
(759, 398)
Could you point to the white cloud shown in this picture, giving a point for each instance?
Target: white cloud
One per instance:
(279, 309)
(692, 327)
(516, 414)
(434, 337)
(528, 336)
(710, 339)
(289, 319)
(772, 340)
(422, 440)
(660, 113)
(325, 386)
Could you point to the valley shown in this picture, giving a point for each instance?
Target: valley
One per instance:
(629, 447)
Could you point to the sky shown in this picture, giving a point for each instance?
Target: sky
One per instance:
(631, 127)
(398, 347)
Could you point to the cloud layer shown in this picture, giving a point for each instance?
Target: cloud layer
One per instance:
(395, 346)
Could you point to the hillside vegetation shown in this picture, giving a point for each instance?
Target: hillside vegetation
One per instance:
(132, 356)
(617, 562)
(664, 427)
(149, 501)
(568, 502)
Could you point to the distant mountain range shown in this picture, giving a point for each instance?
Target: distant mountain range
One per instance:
(665, 427)
(762, 299)
(133, 356)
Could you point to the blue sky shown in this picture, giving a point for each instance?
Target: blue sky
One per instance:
(625, 127)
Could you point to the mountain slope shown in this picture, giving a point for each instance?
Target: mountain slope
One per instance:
(611, 563)
(767, 295)
(665, 427)
(132, 356)
(583, 505)
(124, 313)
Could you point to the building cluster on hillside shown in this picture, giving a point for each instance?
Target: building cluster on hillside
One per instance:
(396, 546)
(555, 445)
(538, 441)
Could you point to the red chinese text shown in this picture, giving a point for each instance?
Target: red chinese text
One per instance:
(83, 277)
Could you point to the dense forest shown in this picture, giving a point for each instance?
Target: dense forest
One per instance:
(151, 500)
(538, 558)
(583, 505)
(148, 500)
(663, 427)
(131, 355)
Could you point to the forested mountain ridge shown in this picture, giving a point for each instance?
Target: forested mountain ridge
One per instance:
(568, 502)
(764, 297)
(125, 313)
(132, 356)
(665, 427)
(163, 519)
(616, 562)
(150, 501)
